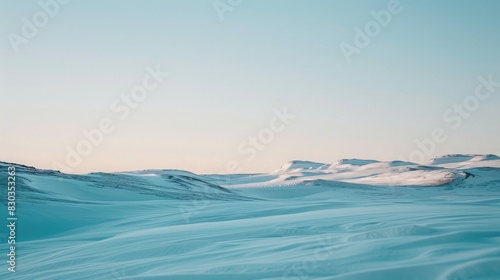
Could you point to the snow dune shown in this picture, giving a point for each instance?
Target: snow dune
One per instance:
(440, 171)
(351, 219)
(466, 161)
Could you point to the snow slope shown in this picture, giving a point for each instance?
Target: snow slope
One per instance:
(351, 219)
(356, 171)
(466, 161)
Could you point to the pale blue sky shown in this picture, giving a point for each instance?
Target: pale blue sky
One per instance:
(226, 77)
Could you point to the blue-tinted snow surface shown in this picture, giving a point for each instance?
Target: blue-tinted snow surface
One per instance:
(302, 221)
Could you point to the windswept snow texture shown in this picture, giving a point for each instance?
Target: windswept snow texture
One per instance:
(351, 219)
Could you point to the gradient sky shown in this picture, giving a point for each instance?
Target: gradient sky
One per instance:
(226, 77)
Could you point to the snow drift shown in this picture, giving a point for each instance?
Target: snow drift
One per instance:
(350, 219)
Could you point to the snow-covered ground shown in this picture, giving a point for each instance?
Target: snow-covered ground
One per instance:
(351, 219)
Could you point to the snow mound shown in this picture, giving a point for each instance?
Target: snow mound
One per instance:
(460, 158)
(158, 171)
(302, 165)
(42, 185)
(395, 163)
(356, 162)
(354, 171)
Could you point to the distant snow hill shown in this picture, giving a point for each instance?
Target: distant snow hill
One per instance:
(183, 185)
(445, 170)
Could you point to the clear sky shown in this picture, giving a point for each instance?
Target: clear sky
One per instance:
(227, 74)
